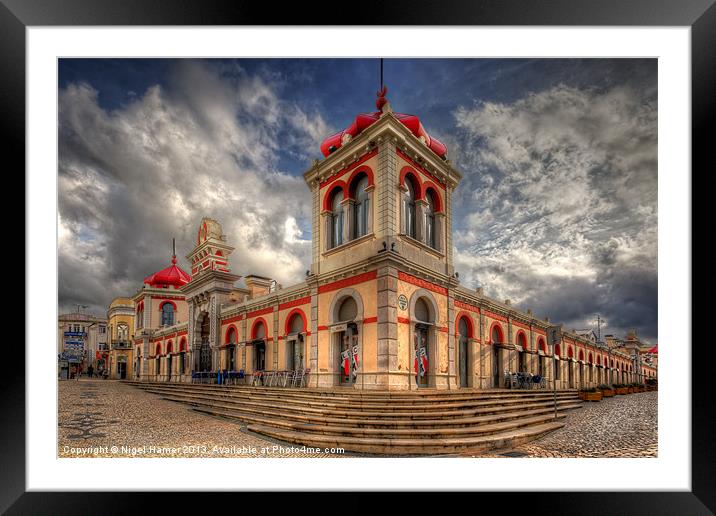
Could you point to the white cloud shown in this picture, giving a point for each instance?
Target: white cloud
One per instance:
(132, 178)
(560, 191)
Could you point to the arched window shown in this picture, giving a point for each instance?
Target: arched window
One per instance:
(362, 208)
(422, 312)
(259, 330)
(122, 332)
(409, 208)
(167, 314)
(462, 328)
(430, 220)
(139, 321)
(496, 335)
(348, 310)
(522, 342)
(295, 324)
(337, 218)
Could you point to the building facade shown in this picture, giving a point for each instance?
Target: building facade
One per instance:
(381, 306)
(121, 327)
(81, 342)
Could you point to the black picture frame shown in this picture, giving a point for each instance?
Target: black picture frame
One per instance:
(17, 15)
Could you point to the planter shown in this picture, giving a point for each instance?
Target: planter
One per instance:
(622, 390)
(630, 390)
(608, 393)
(591, 396)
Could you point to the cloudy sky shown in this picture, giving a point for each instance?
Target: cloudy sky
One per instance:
(557, 209)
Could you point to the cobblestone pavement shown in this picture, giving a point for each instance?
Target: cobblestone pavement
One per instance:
(96, 415)
(622, 426)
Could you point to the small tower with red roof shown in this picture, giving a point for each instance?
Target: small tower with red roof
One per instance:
(159, 304)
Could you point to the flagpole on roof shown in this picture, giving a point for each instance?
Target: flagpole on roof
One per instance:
(381, 73)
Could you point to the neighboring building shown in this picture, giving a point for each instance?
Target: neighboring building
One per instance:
(381, 306)
(79, 338)
(641, 365)
(120, 318)
(651, 357)
(587, 334)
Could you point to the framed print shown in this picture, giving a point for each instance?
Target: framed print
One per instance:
(415, 250)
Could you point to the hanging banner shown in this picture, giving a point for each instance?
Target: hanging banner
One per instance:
(345, 360)
(354, 361)
(423, 361)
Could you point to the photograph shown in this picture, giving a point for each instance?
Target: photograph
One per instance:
(357, 257)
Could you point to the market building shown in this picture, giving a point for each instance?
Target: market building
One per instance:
(381, 306)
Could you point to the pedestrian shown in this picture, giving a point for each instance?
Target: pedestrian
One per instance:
(90, 371)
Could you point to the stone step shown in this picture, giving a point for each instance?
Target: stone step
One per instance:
(380, 411)
(376, 445)
(346, 404)
(396, 405)
(424, 429)
(417, 423)
(422, 395)
(387, 420)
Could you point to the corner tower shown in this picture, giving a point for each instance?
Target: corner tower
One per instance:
(382, 224)
(385, 185)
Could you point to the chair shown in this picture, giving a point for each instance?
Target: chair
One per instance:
(536, 379)
(525, 380)
(268, 378)
(511, 380)
(288, 378)
(298, 378)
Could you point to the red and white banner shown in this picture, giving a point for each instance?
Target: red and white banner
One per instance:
(345, 358)
(354, 357)
(421, 361)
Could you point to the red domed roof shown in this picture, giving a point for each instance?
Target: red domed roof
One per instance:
(172, 275)
(365, 120)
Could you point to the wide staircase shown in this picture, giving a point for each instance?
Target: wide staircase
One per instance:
(429, 422)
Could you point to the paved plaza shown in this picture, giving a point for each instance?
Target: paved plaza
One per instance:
(96, 415)
(106, 418)
(622, 426)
